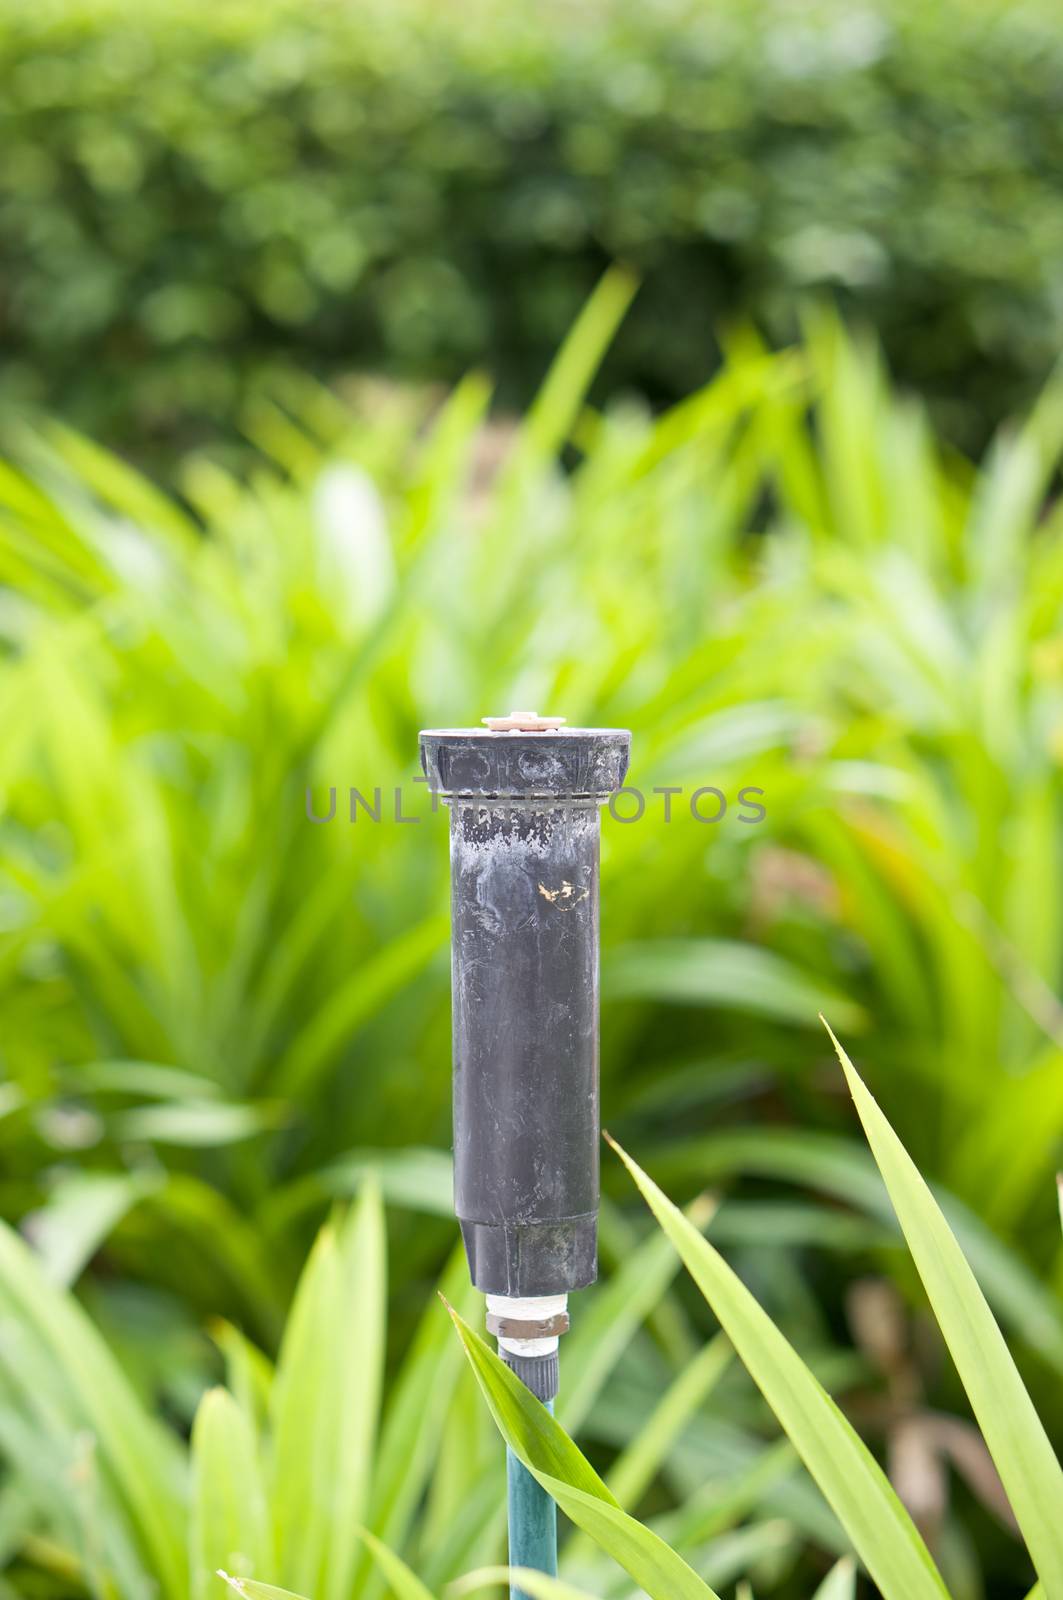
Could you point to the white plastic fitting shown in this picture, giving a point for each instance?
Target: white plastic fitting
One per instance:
(536, 1308)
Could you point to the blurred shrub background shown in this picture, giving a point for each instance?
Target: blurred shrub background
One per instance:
(717, 518)
(193, 194)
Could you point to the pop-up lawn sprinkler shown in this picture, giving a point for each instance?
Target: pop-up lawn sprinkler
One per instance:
(524, 795)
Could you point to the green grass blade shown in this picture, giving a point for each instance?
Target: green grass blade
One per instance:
(420, 1179)
(228, 1525)
(119, 485)
(880, 1528)
(197, 1124)
(465, 1502)
(745, 1548)
(251, 1589)
(555, 408)
(840, 1582)
(353, 1002)
(420, 1395)
(201, 1214)
(712, 1510)
(637, 1465)
(248, 1373)
(325, 1403)
(537, 1584)
(137, 1452)
(302, 1412)
(548, 1453)
(838, 1167)
(82, 1210)
(403, 1584)
(606, 1327)
(722, 973)
(1028, 1466)
(661, 1571)
(359, 1364)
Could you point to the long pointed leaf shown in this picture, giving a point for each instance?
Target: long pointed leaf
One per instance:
(403, 1583)
(1028, 1466)
(228, 1526)
(550, 1455)
(881, 1530)
(251, 1589)
(360, 1370)
(302, 1410)
(136, 1450)
(840, 1582)
(324, 1403)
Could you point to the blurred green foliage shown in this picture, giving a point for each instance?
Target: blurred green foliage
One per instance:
(286, 1464)
(217, 1015)
(193, 194)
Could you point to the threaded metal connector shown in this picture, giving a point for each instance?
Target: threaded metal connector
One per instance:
(540, 1374)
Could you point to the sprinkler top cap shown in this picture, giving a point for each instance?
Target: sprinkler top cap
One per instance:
(546, 762)
(522, 722)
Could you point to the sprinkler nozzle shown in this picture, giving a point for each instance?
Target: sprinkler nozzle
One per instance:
(524, 795)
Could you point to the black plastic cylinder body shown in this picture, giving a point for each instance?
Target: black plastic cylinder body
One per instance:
(524, 838)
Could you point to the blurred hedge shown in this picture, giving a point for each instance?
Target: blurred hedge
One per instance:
(191, 193)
